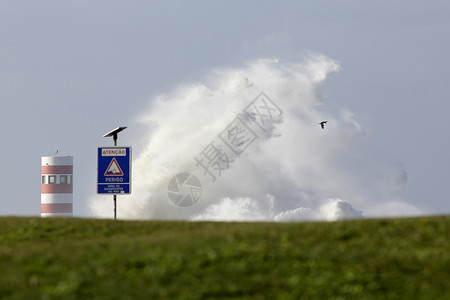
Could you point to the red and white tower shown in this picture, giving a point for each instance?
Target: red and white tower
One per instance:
(56, 186)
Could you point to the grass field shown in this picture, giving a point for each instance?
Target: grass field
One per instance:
(105, 259)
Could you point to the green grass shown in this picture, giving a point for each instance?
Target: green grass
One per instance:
(106, 259)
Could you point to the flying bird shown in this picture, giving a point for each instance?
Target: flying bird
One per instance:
(322, 124)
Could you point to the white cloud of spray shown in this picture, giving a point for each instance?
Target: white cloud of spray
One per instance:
(294, 171)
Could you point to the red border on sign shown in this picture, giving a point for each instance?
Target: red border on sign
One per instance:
(113, 174)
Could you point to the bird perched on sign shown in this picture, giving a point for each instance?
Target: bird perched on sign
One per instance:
(322, 124)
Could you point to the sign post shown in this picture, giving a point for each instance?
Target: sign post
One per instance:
(114, 169)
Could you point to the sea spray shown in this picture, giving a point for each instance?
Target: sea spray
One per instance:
(288, 169)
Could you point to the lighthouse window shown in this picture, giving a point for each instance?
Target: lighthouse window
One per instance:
(43, 179)
(63, 179)
(52, 179)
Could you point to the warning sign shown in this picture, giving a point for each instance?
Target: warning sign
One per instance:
(114, 169)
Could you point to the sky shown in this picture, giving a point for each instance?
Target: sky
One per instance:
(71, 71)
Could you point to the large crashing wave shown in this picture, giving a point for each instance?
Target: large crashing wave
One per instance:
(245, 145)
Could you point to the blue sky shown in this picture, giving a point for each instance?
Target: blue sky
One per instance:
(70, 71)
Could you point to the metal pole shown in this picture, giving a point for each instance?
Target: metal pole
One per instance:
(114, 133)
(115, 206)
(115, 196)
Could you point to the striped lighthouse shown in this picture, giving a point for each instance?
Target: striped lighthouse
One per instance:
(56, 186)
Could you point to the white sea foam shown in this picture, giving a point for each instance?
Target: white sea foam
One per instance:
(289, 169)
